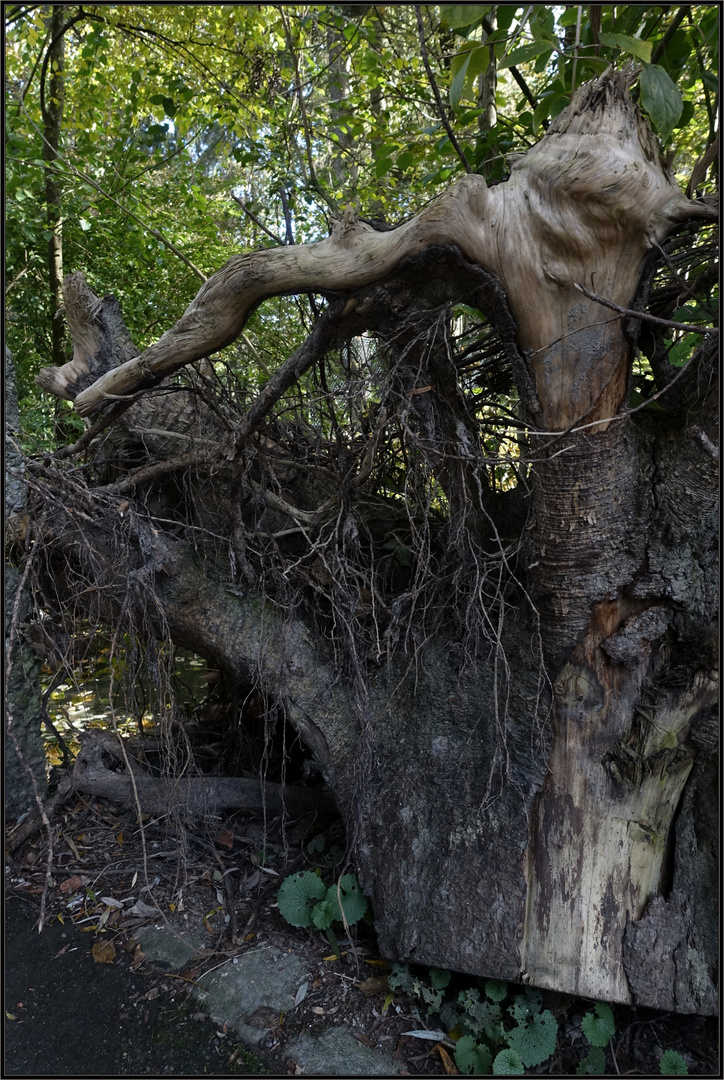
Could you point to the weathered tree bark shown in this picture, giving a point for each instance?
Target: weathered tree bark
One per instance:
(531, 817)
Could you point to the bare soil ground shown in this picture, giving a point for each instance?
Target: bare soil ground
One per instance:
(219, 882)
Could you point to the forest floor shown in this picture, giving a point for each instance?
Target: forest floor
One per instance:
(83, 999)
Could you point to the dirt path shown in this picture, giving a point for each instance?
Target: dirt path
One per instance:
(69, 1016)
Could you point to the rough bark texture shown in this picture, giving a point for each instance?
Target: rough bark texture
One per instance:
(534, 815)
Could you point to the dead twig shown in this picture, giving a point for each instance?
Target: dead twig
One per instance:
(436, 93)
(630, 313)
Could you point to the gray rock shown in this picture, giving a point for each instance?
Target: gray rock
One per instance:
(167, 951)
(250, 992)
(336, 1052)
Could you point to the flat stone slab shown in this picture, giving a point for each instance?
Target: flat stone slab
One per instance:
(250, 992)
(336, 1052)
(167, 951)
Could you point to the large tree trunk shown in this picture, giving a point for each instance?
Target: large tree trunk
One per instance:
(530, 816)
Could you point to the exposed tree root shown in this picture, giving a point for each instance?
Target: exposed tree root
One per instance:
(196, 796)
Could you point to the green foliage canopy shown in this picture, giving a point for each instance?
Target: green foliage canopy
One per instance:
(176, 114)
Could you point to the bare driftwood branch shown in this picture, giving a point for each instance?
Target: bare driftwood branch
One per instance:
(505, 229)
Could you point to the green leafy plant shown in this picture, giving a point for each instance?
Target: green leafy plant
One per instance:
(672, 1064)
(471, 1057)
(599, 1026)
(299, 895)
(594, 1064)
(483, 1024)
(534, 1038)
(508, 1063)
(487, 1042)
(402, 980)
(304, 900)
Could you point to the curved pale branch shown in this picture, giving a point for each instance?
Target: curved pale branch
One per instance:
(585, 205)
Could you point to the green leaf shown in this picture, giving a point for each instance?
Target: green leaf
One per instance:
(680, 352)
(479, 1015)
(569, 16)
(298, 895)
(535, 1040)
(661, 99)
(471, 1057)
(400, 979)
(506, 13)
(354, 902)
(472, 61)
(465, 309)
(599, 1027)
(495, 989)
(526, 52)
(687, 114)
(508, 1063)
(324, 914)
(439, 978)
(641, 49)
(463, 15)
(526, 1005)
(673, 1064)
(432, 998)
(594, 1064)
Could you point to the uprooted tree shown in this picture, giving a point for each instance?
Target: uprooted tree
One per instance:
(510, 693)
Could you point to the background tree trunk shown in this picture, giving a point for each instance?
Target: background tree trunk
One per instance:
(52, 99)
(23, 696)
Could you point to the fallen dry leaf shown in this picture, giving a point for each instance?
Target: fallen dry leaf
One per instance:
(71, 884)
(377, 984)
(140, 908)
(65, 949)
(104, 952)
(226, 838)
(450, 1067)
